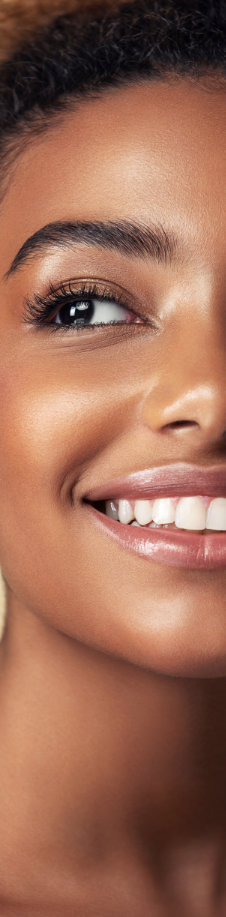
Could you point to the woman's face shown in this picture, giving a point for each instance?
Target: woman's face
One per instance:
(82, 406)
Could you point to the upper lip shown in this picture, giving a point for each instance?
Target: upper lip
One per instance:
(165, 480)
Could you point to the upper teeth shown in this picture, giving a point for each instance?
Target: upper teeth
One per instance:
(194, 513)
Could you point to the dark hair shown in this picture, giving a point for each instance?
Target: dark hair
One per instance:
(81, 53)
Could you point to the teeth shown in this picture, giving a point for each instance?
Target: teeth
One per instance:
(191, 514)
(164, 511)
(216, 515)
(143, 511)
(111, 509)
(125, 512)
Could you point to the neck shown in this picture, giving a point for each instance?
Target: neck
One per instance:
(104, 752)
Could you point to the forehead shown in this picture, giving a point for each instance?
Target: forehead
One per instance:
(154, 151)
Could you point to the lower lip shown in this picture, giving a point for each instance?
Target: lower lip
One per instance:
(166, 546)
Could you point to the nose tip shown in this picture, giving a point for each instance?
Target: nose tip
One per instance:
(198, 412)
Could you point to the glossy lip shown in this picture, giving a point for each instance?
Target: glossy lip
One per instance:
(174, 548)
(175, 480)
(190, 550)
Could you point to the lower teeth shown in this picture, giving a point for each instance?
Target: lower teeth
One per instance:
(169, 525)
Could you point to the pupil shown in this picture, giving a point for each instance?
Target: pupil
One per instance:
(78, 312)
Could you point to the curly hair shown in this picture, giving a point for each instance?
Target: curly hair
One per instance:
(85, 50)
(20, 19)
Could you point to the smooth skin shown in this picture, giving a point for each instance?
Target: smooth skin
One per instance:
(113, 692)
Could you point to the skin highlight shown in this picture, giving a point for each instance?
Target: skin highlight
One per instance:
(112, 667)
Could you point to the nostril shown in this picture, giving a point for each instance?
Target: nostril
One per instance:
(178, 424)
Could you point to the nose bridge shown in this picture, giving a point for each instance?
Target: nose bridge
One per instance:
(190, 388)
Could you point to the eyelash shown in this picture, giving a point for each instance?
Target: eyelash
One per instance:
(40, 309)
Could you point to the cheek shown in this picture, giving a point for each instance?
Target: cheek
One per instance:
(54, 426)
(48, 420)
(51, 426)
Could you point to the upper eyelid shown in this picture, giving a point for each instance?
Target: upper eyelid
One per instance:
(41, 307)
(91, 293)
(76, 284)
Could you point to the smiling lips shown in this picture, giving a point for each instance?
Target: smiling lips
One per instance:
(174, 514)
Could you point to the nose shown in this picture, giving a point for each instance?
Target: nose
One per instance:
(188, 397)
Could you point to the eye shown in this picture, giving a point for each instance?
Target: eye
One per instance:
(85, 307)
(91, 311)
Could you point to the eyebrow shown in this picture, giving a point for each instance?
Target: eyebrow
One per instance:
(131, 239)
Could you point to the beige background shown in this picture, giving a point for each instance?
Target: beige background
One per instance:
(2, 604)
